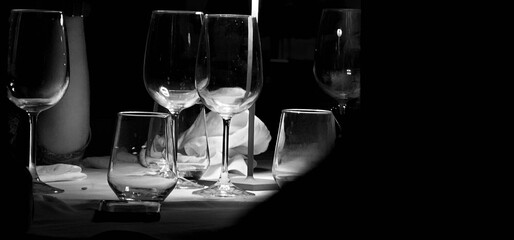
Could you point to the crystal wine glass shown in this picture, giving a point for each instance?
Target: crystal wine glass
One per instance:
(337, 56)
(228, 80)
(38, 71)
(169, 67)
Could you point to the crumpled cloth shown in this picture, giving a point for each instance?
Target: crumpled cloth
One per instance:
(60, 172)
(193, 142)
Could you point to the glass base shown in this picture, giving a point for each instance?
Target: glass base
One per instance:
(39, 187)
(184, 183)
(223, 190)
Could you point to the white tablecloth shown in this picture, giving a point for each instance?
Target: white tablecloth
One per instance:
(70, 214)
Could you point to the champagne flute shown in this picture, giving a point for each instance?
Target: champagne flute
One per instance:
(38, 71)
(169, 67)
(337, 56)
(228, 80)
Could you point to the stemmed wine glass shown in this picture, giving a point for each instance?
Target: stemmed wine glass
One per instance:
(38, 71)
(337, 56)
(169, 66)
(228, 79)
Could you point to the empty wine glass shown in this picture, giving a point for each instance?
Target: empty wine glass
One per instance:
(169, 66)
(228, 79)
(38, 71)
(337, 56)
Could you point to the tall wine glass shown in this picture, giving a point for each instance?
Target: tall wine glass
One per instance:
(337, 56)
(228, 79)
(38, 71)
(169, 66)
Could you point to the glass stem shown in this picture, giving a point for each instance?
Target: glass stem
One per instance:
(251, 138)
(342, 108)
(224, 179)
(174, 140)
(33, 145)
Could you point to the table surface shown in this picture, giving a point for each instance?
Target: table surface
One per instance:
(70, 214)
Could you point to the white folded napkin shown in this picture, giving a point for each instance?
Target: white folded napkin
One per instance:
(194, 142)
(60, 172)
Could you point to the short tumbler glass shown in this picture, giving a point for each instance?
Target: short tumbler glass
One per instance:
(136, 174)
(305, 137)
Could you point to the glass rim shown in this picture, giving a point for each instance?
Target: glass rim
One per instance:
(159, 11)
(143, 114)
(228, 15)
(28, 10)
(306, 111)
